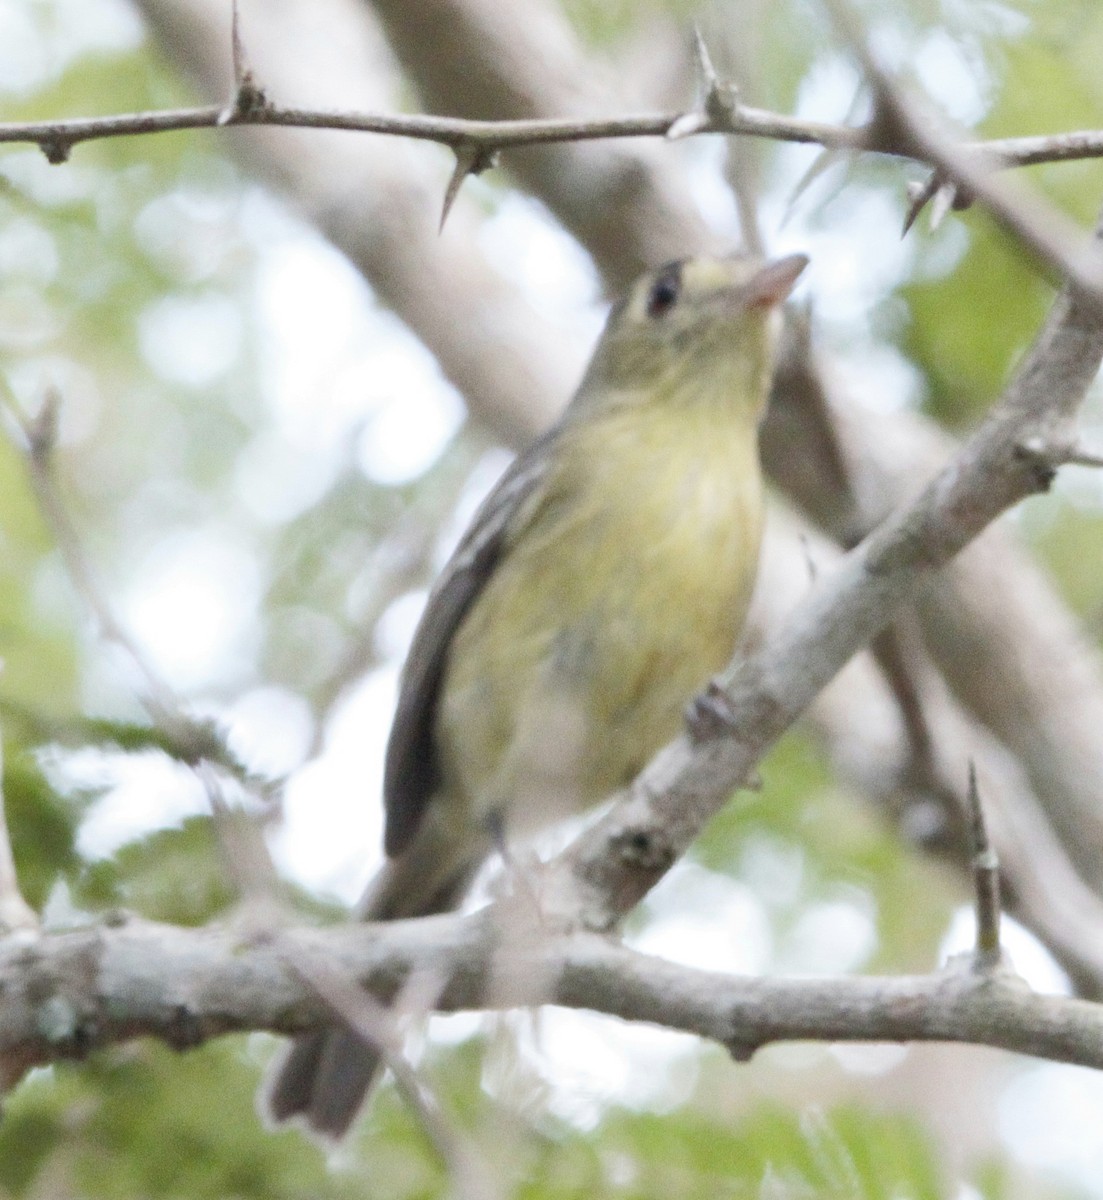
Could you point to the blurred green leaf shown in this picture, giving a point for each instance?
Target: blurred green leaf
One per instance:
(967, 330)
(42, 826)
(177, 875)
(1067, 538)
(146, 1122)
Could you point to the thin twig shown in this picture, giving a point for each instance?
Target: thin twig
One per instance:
(375, 1025)
(1082, 456)
(249, 865)
(447, 131)
(455, 132)
(158, 697)
(986, 880)
(905, 124)
(1059, 453)
(190, 739)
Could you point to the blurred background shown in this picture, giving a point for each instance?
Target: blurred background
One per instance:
(281, 394)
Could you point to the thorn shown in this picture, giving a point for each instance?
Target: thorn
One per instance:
(1082, 456)
(470, 160)
(709, 713)
(704, 60)
(944, 200)
(820, 164)
(721, 99)
(41, 429)
(986, 881)
(249, 98)
(947, 197)
(1052, 455)
(56, 149)
(919, 195)
(687, 124)
(237, 46)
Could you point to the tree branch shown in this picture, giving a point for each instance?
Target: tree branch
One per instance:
(68, 994)
(866, 740)
(1010, 651)
(57, 138)
(903, 123)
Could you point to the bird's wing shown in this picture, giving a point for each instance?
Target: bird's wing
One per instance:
(412, 769)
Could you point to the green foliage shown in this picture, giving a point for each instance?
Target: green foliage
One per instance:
(967, 327)
(772, 1151)
(965, 331)
(42, 826)
(1049, 76)
(699, 1149)
(176, 875)
(844, 850)
(1066, 538)
(148, 1122)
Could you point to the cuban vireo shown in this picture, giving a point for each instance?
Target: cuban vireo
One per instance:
(599, 586)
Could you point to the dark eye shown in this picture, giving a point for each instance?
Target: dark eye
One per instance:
(664, 292)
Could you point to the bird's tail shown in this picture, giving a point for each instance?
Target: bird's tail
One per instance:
(325, 1077)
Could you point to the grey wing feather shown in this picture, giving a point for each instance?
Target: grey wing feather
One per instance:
(412, 768)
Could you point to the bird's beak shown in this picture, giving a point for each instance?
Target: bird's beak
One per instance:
(775, 281)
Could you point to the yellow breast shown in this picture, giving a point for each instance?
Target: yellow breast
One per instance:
(623, 591)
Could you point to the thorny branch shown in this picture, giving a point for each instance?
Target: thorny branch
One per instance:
(57, 138)
(902, 123)
(900, 127)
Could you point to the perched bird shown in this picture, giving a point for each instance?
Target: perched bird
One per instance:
(602, 582)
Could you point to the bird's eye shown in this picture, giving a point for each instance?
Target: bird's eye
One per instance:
(664, 292)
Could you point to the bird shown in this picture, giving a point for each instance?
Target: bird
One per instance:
(600, 585)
